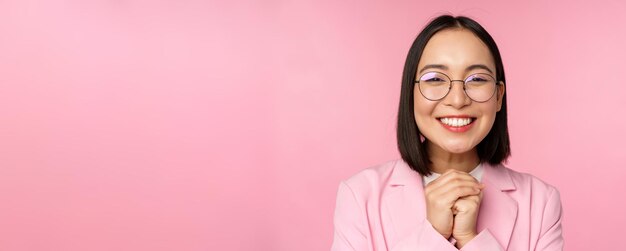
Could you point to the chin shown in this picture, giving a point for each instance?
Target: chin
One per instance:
(457, 148)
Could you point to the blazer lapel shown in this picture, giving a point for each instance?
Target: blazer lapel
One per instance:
(405, 203)
(498, 211)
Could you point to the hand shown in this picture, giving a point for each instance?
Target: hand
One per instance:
(441, 196)
(465, 210)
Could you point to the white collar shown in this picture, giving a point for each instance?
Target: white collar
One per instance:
(477, 173)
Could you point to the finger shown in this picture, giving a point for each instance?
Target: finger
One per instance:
(451, 175)
(462, 206)
(466, 204)
(453, 190)
(453, 184)
(448, 195)
(473, 198)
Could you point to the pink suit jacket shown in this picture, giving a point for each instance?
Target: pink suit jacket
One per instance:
(383, 208)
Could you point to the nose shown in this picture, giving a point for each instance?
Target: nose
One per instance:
(456, 96)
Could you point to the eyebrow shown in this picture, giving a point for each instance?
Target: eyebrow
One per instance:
(443, 67)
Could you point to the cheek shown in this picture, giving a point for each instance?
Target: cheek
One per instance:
(492, 109)
(422, 110)
(423, 114)
(489, 116)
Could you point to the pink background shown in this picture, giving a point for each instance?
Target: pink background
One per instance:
(194, 125)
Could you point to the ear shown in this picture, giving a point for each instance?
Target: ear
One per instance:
(500, 94)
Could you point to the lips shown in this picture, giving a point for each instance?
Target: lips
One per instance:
(457, 123)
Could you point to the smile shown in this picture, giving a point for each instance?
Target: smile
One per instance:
(457, 124)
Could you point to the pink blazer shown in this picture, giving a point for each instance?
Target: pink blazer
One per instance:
(383, 208)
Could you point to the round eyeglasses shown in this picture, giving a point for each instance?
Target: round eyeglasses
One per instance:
(435, 86)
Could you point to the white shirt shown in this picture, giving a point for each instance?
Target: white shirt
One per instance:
(477, 173)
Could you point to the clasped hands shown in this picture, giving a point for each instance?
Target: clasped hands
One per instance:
(452, 203)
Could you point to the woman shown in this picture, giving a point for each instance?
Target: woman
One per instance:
(450, 190)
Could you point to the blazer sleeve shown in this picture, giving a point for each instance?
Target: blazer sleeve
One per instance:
(351, 231)
(551, 236)
(424, 237)
(484, 241)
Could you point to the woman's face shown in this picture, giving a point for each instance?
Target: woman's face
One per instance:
(458, 53)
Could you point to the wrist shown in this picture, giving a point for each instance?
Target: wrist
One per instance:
(462, 240)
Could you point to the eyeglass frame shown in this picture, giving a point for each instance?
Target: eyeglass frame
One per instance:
(496, 82)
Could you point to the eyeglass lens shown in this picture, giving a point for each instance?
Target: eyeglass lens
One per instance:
(478, 87)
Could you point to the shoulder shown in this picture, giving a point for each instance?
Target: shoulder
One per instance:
(372, 176)
(526, 181)
(372, 181)
(542, 202)
(526, 185)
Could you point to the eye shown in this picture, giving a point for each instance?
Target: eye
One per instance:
(433, 79)
(477, 79)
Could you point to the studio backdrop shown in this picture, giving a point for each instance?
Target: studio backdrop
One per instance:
(228, 125)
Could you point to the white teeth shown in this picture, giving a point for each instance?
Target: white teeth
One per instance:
(457, 122)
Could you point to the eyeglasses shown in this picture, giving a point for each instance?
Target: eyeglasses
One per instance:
(435, 86)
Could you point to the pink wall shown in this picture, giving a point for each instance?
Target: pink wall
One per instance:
(186, 125)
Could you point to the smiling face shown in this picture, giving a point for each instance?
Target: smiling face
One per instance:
(456, 123)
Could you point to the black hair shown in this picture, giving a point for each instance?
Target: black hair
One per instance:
(494, 148)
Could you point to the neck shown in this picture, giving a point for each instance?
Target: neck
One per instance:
(442, 160)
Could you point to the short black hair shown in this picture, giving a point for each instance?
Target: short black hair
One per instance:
(494, 148)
